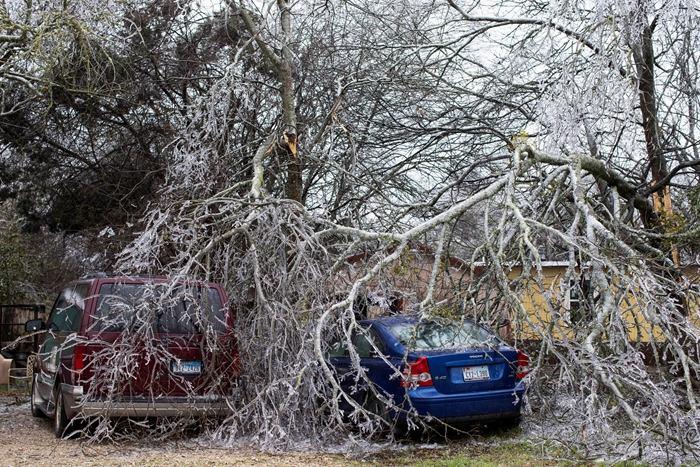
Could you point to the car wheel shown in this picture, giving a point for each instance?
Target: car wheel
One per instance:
(509, 423)
(34, 400)
(377, 407)
(60, 420)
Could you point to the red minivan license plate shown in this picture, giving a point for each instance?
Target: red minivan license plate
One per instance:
(186, 367)
(475, 373)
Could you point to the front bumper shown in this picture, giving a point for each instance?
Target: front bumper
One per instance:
(462, 407)
(143, 407)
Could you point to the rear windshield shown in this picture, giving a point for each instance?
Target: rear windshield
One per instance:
(186, 310)
(429, 335)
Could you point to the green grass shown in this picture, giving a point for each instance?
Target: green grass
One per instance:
(499, 451)
(492, 454)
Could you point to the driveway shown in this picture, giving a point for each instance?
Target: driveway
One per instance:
(25, 440)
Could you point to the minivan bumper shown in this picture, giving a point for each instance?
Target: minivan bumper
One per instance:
(143, 407)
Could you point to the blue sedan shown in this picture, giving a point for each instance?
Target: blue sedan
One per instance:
(455, 371)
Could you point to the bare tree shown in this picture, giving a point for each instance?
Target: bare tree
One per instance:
(484, 130)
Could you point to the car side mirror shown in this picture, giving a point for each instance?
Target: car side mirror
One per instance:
(34, 325)
(375, 353)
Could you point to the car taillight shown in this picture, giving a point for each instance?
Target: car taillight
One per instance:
(522, 362)
(79, 357)
(417, 374)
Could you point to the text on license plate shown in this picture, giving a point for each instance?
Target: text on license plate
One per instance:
(475, 373)
(186, 367)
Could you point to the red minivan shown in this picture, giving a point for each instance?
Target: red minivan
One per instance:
(138, 346)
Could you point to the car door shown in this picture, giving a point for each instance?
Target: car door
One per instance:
(368, 345)
(377, 361)
(339, 358)
(63, 324)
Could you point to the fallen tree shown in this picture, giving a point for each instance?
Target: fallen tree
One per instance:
(374, 127)
(281, 265)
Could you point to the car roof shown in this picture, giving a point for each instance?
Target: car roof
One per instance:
(393, 319)
(407, 318)
(104, 275)
(142, 279)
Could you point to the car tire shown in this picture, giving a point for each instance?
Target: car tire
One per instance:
(390, 426)
(36, 411)
(60, 419)
(510, 423)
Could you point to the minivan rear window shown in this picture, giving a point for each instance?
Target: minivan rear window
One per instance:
(186, 310)
(434, 335)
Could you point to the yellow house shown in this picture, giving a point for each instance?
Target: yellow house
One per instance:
(550, 303)
(553, 307)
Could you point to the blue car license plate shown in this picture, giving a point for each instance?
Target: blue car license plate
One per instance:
(186, 367)
(475, 373)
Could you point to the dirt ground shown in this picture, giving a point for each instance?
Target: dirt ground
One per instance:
(25, 440)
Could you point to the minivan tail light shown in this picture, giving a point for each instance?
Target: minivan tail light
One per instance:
(522, 362)
(79, 357)
(417, 374)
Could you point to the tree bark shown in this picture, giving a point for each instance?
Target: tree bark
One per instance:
(282, 64)
(289, 117)
(643, 52)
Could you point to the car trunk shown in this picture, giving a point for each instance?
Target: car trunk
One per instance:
(471, 370)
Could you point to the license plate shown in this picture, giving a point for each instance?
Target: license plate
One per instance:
(475, 373)
(186, 367)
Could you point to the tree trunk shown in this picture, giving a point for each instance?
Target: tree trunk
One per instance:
(294, 179)
(643, 52)
(282, 64)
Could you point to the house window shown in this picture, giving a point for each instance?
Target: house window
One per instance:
(580, 309)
